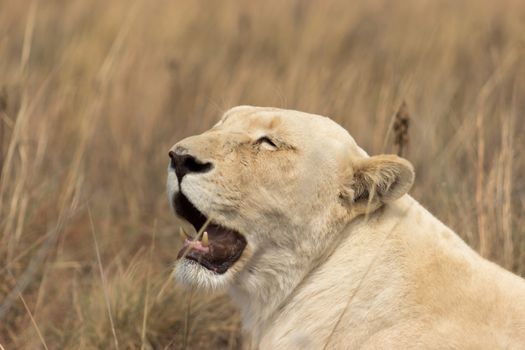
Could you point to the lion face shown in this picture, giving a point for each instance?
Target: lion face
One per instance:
(268, 180)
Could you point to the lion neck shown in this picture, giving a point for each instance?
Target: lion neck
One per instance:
(260, 292)
(263, 292)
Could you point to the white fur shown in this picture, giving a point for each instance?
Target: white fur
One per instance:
(338, 256)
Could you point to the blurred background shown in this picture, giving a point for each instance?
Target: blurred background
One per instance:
(94, 93)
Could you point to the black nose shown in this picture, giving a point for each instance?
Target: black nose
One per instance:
(184, 163)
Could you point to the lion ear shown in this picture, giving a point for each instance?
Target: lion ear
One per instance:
(381, 179)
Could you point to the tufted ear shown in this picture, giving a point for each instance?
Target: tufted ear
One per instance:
(380, 179)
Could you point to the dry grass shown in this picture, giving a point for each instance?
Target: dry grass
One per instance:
(93, 94)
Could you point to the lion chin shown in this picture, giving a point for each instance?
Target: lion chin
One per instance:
(193, 275)
(321, 247)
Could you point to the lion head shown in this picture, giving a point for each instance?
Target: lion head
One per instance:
(275, 187)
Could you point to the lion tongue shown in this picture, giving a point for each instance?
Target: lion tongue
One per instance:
(196, 245)
(217, 250)
(218, 246)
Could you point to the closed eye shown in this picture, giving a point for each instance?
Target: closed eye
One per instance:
(266, 141)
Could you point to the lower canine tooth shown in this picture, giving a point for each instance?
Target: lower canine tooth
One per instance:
(205, 239)
(183, 233)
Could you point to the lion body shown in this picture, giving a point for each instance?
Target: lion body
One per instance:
(401, 280)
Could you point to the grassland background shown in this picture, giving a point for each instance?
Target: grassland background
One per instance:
(93, 94)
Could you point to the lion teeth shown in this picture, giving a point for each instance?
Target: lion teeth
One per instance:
(183, 234)
(205, 241)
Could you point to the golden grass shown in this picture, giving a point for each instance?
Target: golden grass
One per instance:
(93, 94)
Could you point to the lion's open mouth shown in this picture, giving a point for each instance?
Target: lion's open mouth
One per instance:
(223, 246)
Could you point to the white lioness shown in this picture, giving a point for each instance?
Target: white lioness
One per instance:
(321, 247)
